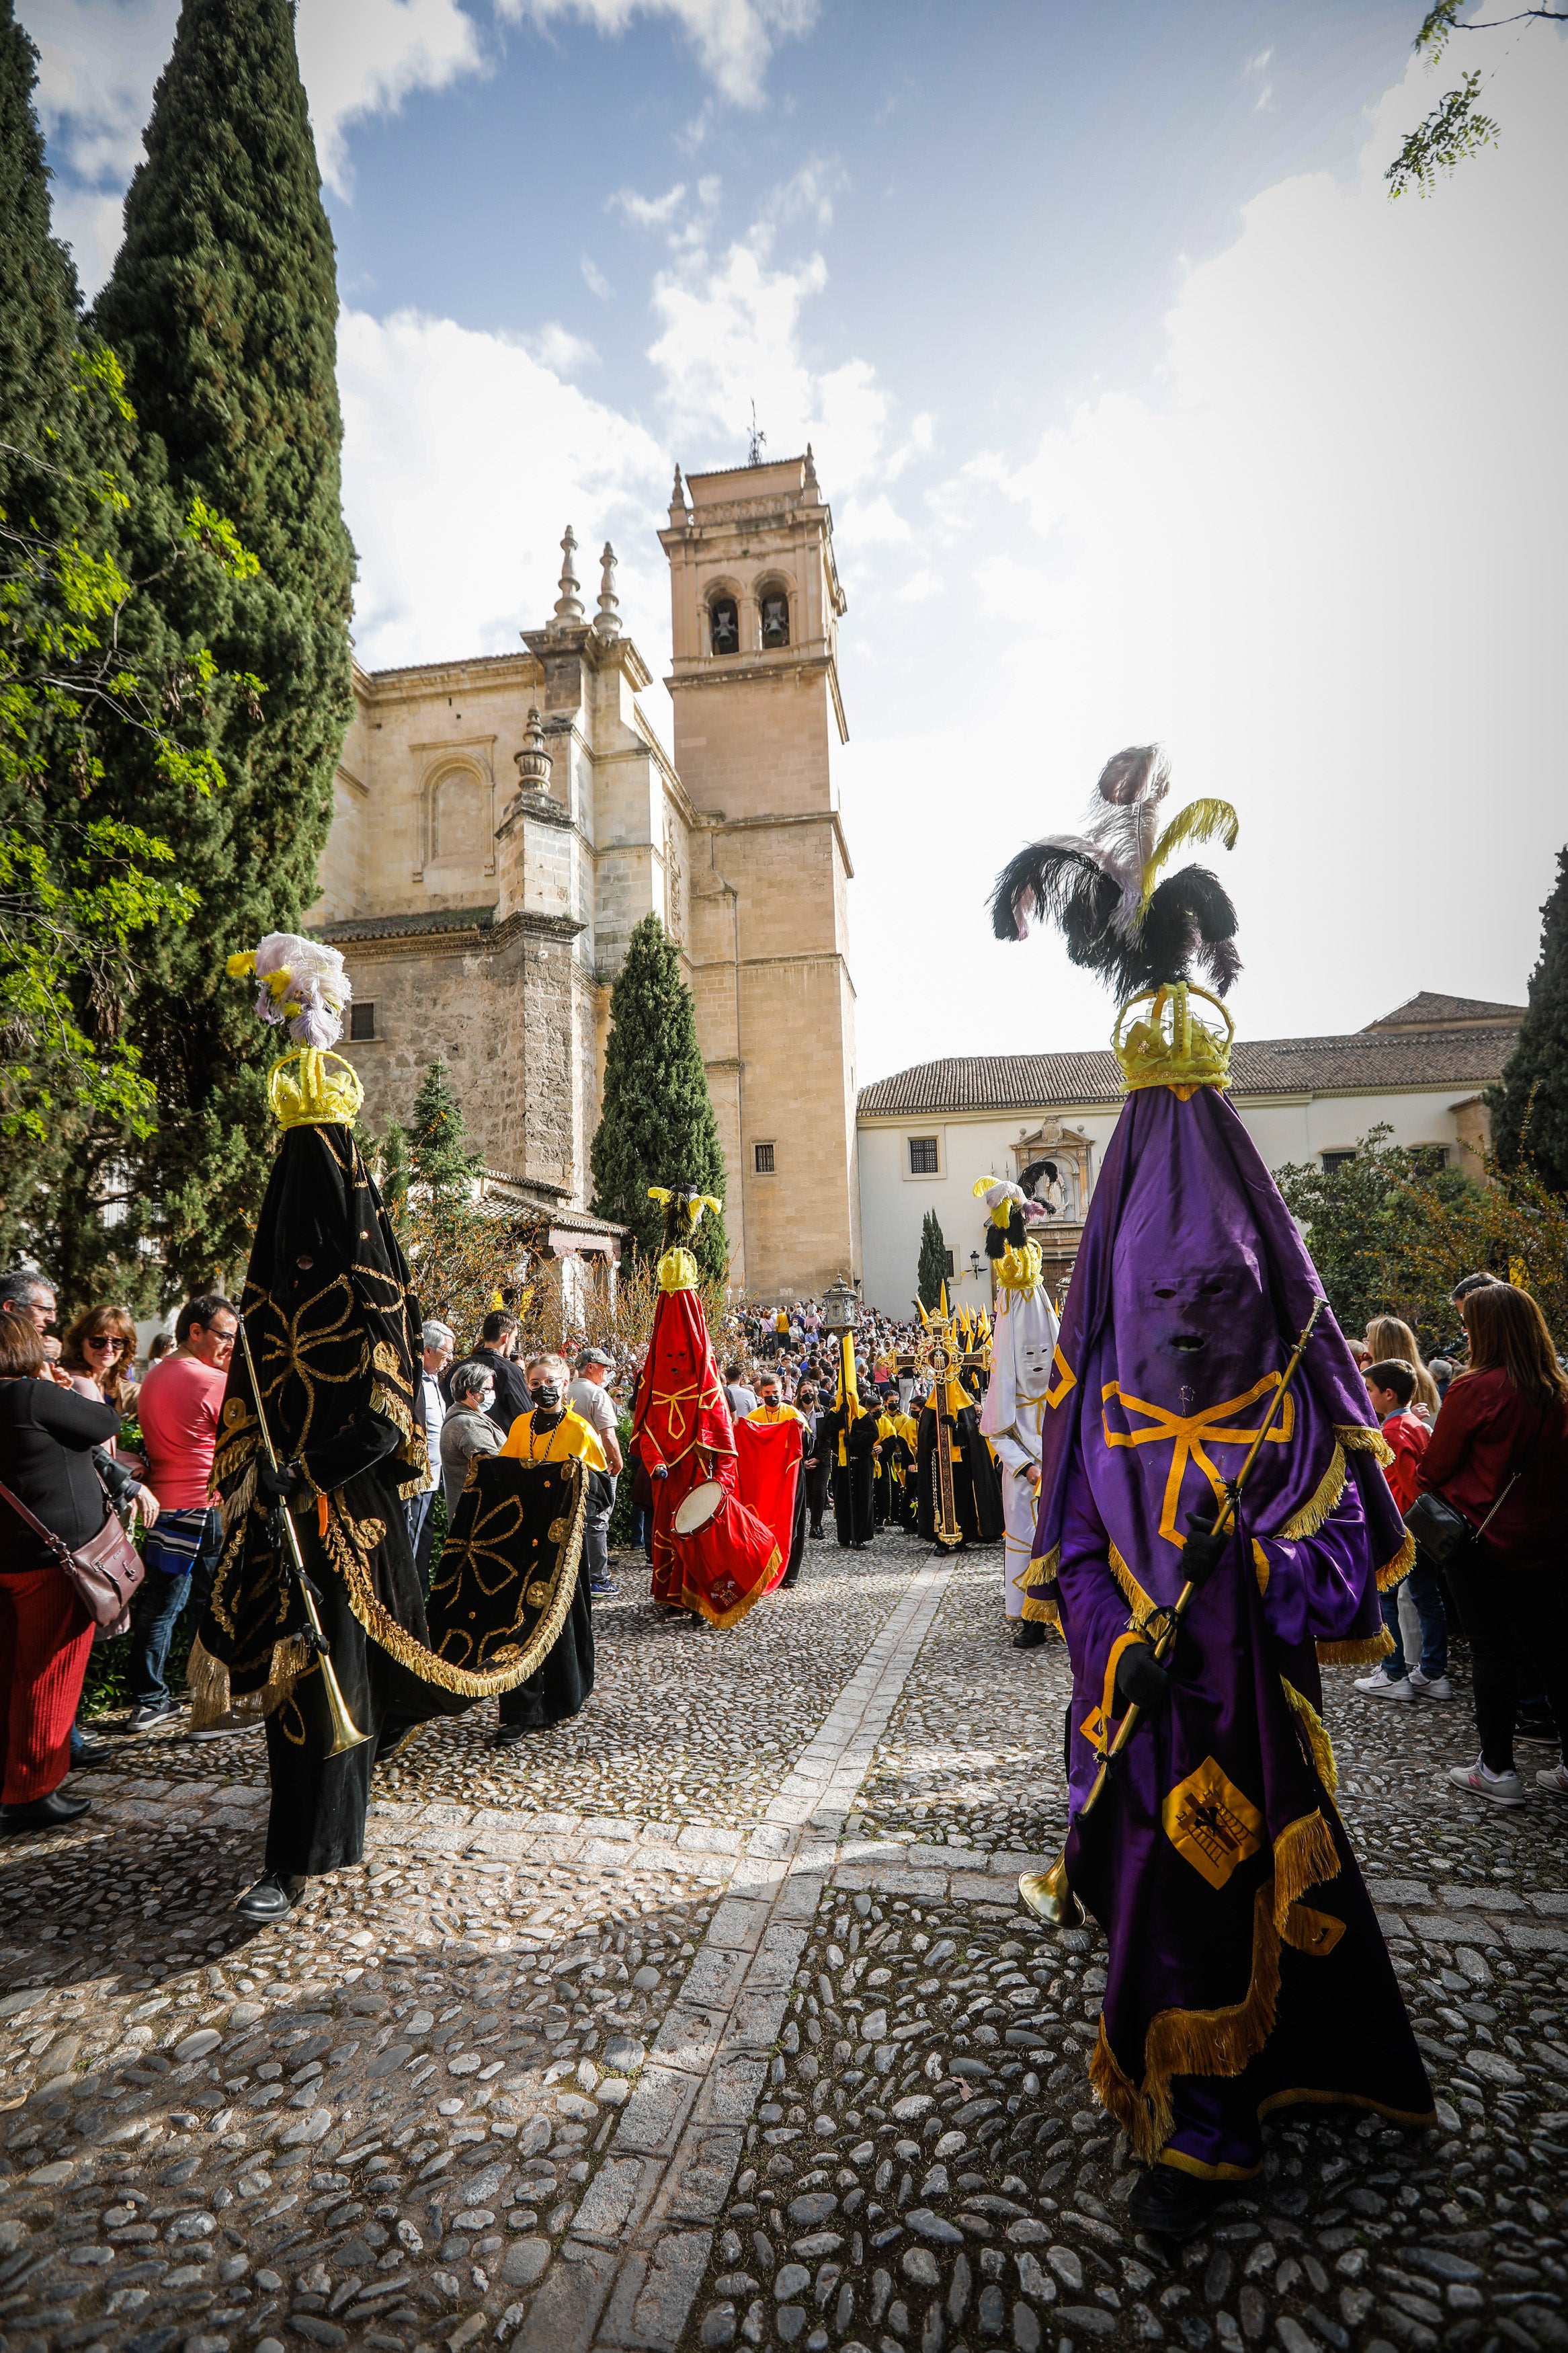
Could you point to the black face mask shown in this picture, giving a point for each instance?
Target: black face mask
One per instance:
(547, 1396)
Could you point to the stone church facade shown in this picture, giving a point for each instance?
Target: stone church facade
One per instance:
(501, 825)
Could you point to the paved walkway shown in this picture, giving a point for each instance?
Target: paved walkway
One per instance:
(712, 2019)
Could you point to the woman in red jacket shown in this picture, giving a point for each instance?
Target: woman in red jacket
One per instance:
(1501, 1439)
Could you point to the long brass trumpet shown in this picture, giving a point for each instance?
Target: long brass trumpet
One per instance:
(1048, 1893)
(346, 1733)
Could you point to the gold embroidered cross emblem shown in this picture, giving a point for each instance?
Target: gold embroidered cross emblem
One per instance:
(1190, 1436)
(1211, 1824)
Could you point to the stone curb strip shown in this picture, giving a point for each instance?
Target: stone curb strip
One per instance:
(630, 2270)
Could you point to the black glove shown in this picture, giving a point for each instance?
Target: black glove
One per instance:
(1140, 1677)
(277, 1486)
(1203, 1551)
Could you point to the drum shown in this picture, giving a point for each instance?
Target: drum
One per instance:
(695, 1511)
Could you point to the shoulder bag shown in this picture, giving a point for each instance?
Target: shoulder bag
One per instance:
(1442, 1531)
(104, 1572)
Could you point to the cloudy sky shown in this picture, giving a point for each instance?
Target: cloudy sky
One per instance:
(1141, 411)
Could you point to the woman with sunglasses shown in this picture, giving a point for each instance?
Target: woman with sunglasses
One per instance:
(99, 1351)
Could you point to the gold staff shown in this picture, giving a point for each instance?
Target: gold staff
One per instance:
(1048, 1893)
(346, 1733)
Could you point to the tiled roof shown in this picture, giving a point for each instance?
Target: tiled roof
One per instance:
(1373, 1059)
(392, 927)
(1430, 1011)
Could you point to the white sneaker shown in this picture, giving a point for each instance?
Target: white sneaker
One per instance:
(1554, 1778)
(1380, 1686)
(1502, 1789)
(1430, 1687)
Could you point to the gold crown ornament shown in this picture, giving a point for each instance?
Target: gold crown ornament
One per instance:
(312, 1094)
(1170, 1045)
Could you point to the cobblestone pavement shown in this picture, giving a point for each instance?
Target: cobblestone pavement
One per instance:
(712, 2019)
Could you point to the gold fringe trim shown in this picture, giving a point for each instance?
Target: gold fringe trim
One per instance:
(234, 1509)
(1043, 1571)
(1395, 1571)
(1042, 1613)
(1318, 1740)
(1304, 1856)
(1363, 1652)
(1192, 2042)
(1359, 1440)
(1131, 1592)
(398, 1643)
(208, 1684)
(1330, 1488)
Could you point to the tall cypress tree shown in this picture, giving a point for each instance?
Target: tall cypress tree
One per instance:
(1530, 1104)
(39, 298)
(223, 306)
(931, 1272)
(658, 1126)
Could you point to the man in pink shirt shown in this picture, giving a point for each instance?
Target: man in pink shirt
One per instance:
(179, 1405)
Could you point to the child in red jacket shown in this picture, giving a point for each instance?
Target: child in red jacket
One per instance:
(1391, 1385)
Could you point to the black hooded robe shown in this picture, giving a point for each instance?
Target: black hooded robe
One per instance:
(852, 1479)
(976, 1482)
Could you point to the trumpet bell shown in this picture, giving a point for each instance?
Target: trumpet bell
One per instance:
(346, 1733)
(1049, 1896)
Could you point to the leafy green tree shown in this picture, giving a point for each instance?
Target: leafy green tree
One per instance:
(658, 1126)
(87, 675)
(1364, 1219)
(931, 1273)
(1455, 127)
(1530, 1104)
(222, 304)
(439, 1161)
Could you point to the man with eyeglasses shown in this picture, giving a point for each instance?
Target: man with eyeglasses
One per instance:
(178, 1406)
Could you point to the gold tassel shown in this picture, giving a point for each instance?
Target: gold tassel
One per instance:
(1042, 1613)
(211, 1696)
(1318, 1740)
(1043, 1572)
(1395, 1571)
(1363, 1652)
(1133, 1593)
(1364, 1441)
(1305, 1856)
(1193, 2043)
(207, 1687)
(1330, 1488)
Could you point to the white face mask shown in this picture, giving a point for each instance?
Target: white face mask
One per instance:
(484, 1401)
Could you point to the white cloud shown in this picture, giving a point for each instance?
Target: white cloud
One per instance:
(464, 458)
(648, 212)
(733, 39)
(365, 56)
(1322, 559)
(595, 280)
(558, 349)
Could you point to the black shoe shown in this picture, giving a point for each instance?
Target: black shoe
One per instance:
(819, 1535)
(1176, 2205)
(143, 1717)
(88, 1754)
(786, 1582)
(393, 1732)
(1030, 1636)
(508, 1734)
(44, 1813)
(271, 1896)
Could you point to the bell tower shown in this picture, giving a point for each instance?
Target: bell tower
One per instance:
(755, 604)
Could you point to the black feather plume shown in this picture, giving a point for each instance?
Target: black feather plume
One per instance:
(1051, 884)
(1191, 920)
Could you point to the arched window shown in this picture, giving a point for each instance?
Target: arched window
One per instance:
(724, 625)
(774, 609)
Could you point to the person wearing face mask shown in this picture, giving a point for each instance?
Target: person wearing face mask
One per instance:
(469, 1428)
(551, 1432)
(1022, 1344)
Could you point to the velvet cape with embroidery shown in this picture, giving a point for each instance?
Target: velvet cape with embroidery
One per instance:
(1245, 1970)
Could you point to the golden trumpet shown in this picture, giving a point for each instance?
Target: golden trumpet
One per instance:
(346, 1733)
(1048, 1893)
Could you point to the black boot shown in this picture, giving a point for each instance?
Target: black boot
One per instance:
(1030, 1636)
(44, 1813)
(271, 1896)
(1175, 2205)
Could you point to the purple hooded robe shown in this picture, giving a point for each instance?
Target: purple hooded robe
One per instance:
(1245, 1970)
